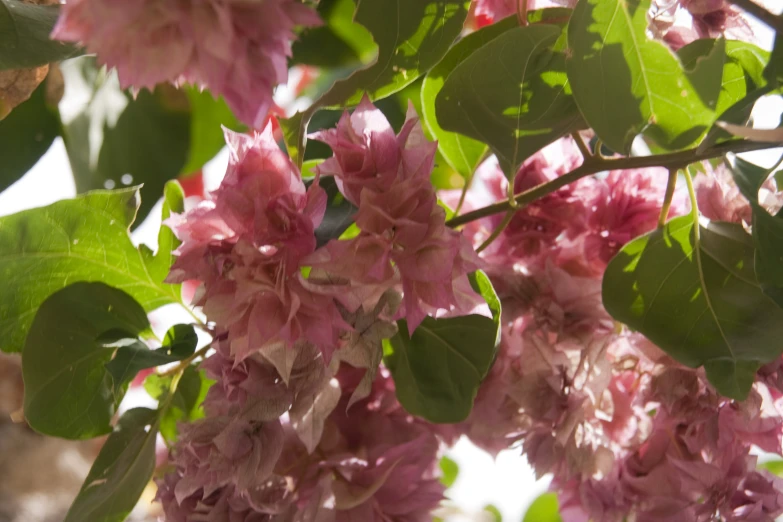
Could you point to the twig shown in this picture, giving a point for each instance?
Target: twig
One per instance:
(751, 7)
(581, 145)
(674, 160)
(667, 198)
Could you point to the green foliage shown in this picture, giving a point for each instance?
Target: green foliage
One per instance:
(494, 512)
(626, 83)
(438, 369)
(119, 140)
(68, 392)
(543, 509)
(339, 213)
(412, 36)
(694, 293)
(25, 135)
(81, 239)
(767, 230)
(449, 471)
(24, 36)
(121, 472)
(340, 42)
(184, 405)
(207, 115)
(512, 94)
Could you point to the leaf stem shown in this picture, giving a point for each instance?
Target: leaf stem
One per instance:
(758, 11)
(667, 198)
(498, 230)
(184, 363)
(522, 12)
(674, 160)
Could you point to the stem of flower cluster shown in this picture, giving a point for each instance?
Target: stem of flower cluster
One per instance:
(674, 160)
(581, 145)
(522, 12)
(667, 198)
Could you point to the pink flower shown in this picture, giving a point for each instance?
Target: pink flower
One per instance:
(236, 49)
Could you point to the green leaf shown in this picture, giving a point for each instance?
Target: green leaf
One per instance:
(118, 140)
(626, 83)
(767, 230)
(438, 370)
(158, 264)
(695, 295)
(483, 286)
(511, 94)
(132, 357)
(494, 512)
(339, 42)
(24, 36)
(121, 472)
(449, 471)
(25, 135)
(773, 466)
(206, 135)
(543, 509)
(68, 393)
(82, 239)
(461, 152)
(185, 406)
(412, 36)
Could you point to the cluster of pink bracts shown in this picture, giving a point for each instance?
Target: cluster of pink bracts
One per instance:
(303, 424)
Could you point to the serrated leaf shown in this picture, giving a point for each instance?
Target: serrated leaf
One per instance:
(82, 239)
(412, 36)
(24, 36)
(68, 393)
(511, 94)
(25, 135)
(121, 472)
(625, 83)
(697, 298)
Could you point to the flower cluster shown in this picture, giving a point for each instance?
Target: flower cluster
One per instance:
(300, 424)
(628, 433)
(235, 48)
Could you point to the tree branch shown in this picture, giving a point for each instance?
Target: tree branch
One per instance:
(674, 160)
(758, 11)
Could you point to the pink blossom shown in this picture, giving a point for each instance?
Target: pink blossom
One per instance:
(236, 49)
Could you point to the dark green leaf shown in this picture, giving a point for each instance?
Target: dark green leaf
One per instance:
(24, 36)
(767, 230)
(697, 298)
(339, 42)
(543, 509)
(132, 357)
(185, 406)
(449, 471)
(461, 152)
(25, 135)
(626, 83)
(82, 239)
(68, 393)
(339, 213)
(438, 370)
(412, 36)
(773, 73)
(118, 140)
(206, 135)
(122, 470)
(512, 94)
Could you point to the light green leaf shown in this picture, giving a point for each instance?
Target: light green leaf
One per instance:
(626, 83)
(186, 405)
(543, 509)
(82, 239)
(68, 392)
(158, 264)
(122, 470)
(437, 370)
(25, 135)
(511, 94)
(461, 152)
(24, 36)
(449, 471)
(412, 36)
(696, 296)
